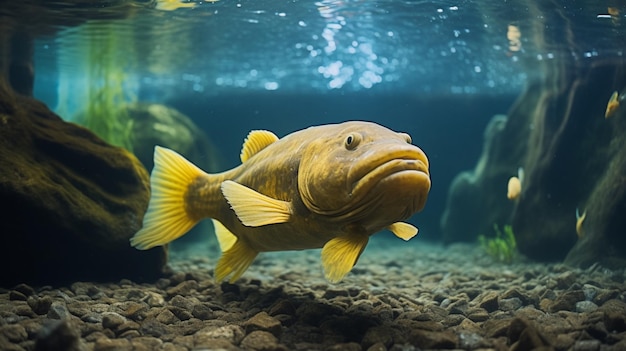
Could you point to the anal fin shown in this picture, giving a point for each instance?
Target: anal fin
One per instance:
(235, 260)
(225, 237)
(340, 254)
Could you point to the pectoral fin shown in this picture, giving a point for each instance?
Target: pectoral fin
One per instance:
(402, 230)
(235, 260)
(340, 254)
(255, 209)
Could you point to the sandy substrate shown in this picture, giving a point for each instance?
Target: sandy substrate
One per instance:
(414, 296)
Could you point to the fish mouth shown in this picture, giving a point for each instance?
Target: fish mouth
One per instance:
(400, 167)
(398, 178)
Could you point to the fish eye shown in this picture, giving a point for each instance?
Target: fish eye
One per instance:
(406, 137)
(352, 140)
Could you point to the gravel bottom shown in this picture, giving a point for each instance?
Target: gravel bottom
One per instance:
(415, 296)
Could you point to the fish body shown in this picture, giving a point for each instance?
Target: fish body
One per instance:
(329, 187)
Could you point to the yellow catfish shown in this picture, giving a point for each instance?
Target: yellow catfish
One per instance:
(329, 187)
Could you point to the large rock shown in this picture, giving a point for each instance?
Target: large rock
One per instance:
(471, 192)
(70, 201)
(156, 124)
(573, 158)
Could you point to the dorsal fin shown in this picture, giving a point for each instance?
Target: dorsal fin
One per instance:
(256, 141)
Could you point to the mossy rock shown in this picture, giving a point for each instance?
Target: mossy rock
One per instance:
(71, 201)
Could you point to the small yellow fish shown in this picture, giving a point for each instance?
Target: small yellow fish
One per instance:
(612, 105)
(514, 188)
(329, 187)
(171, 5)
(579, 223)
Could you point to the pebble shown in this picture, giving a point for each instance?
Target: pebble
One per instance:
(585, 306)
(400, 303)
(265, 322)
(58, 310)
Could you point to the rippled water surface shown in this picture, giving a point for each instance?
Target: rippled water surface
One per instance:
(430, 47)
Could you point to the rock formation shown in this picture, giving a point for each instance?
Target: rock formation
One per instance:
(70, 201)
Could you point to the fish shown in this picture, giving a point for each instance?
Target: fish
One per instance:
(171, 5)
(579, 223)
(514, 188)
(329, 186)
(612, 105)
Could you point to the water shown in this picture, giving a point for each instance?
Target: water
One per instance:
(437, 70)
(485, 88)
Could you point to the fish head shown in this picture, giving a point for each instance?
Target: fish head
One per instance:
(363, 173)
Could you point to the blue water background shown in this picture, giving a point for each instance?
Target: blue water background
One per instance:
(438, 70)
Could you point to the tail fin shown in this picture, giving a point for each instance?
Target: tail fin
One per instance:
(166, 218)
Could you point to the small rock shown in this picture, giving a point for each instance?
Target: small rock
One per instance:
(167, 317)
(15, 295)
(58, 311)
(261, 341)
(590, 291)
(469, 341)
(153, 299)
(25, 289)
(586, 345)
(495, 328)
(182, 302)
(149, 342)
(510, 304)
(263, 321)
(92, 318)
(614, 316)
(565, 280)
(58, 335)
(585, 306)
(105, 344)
(425, 339)
(180, 313)
(136, 310)
(152, 327)
(458, 307)
(378, 335)
(202, 311)
(282, 307)
(567, 301)
(184, 288)
(477, 314)
(488, 301)
(605, 295)
(377, 347)
(348, 346)
(232, 333)
(14, 332)
(39, 305)
(334, 292)
(112, 320)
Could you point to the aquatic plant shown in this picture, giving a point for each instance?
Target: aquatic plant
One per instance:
(96, 88)
(503, 246)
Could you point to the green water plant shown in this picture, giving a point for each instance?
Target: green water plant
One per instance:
(503, 246)
(96, 89)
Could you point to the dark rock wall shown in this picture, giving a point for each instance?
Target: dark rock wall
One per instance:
(70, 201)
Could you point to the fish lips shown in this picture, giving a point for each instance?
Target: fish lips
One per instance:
(402, 172)
(398, 165)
